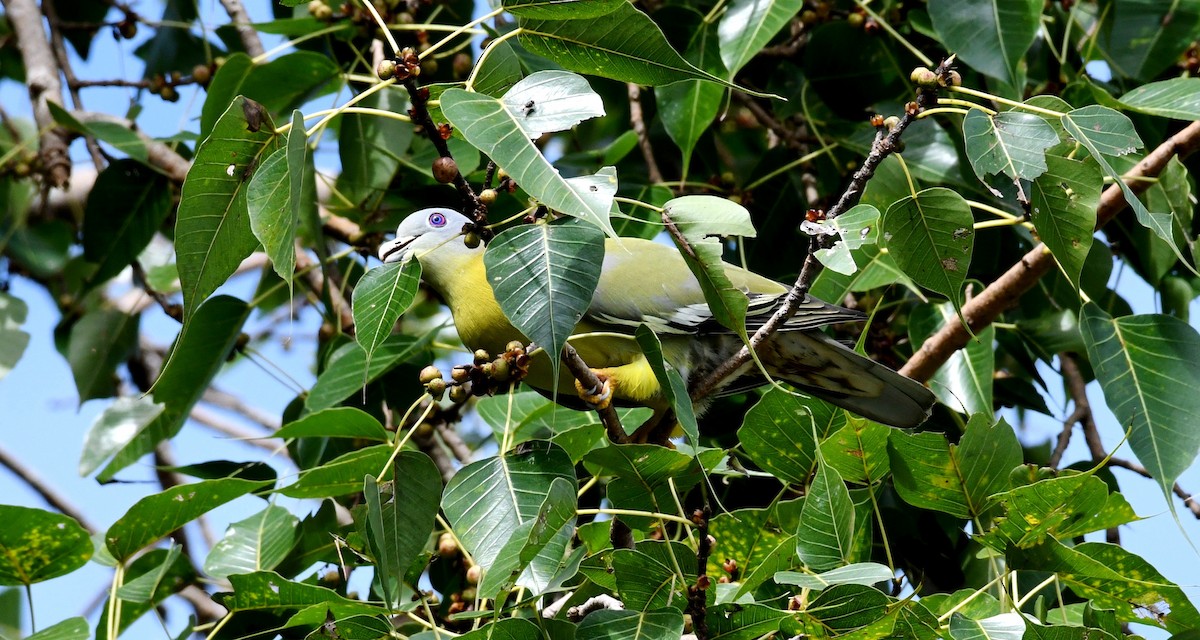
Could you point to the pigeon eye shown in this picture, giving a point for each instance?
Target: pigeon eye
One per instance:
(437, 220)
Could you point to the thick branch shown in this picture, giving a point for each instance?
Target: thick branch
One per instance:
(241, 22)
(159, 155)
(1002, 294)
(41, 76)
(589, 380)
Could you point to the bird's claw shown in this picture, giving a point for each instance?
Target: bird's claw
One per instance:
(596, 398)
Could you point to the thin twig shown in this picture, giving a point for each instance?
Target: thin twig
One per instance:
(1004, 292)
(41, 76)
(886, 143)
(228, 401)
(316, 281)
(589, 380)
(639, 127)
(419, 97)
(47, 492)
(158, 154)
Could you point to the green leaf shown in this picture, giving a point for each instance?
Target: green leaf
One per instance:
(280, 85)
(655, 575)
(826, 531)
(1149, 369)
(964, 382)
(744, 621)
(487, 124)
(688, 107)
(931, 473)
(501, 68)
(504, 629)
(858, 451)
(127, 205)
(777, 433)
(338, 477)
(1059, 508)
(13, 340)
(699, 216)
(531, 538)
(607, 624)
(142, 588)
(1146, 37)
(703, 257)
(118, 135)
(864, 573)
(931, 236)
(761, 541)
(100, 342)
(543, 277)
(1177, 98)
(1006, 626)
(370, 148)
(343, 376)
(1113, 578)
(990, 35)
(336, 422)
(1104, 131)
(647, 477)
(37, 545)
(155, 516)
(527, 415)
(1010, 142)
(265, 590)
(380, 296)
(673, 386)
(398, 528)
(623, 45)
(487, 501)
(561, 9)
(199, 353)
(857, 228)
(549, 101)
(852, 607)
(257, 543)
(274, 199)
(212, 230)
(69, 629)
(114, 428)
(1063, 204)
(747, 27)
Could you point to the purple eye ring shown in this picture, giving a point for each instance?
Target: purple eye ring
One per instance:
(437, 220)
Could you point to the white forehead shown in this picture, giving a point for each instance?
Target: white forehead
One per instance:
(427, 221)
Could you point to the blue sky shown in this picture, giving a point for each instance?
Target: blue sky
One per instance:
(41, 424)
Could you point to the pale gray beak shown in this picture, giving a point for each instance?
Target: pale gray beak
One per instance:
(394, 250)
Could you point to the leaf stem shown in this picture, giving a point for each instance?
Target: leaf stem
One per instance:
(1012, 103)
(634, 512)
(637, 203)
(895, 34)
(470, 86)
(387, 33)
(459, 31)
(940, 110)
(804, 159)
(266, 55)
(402, 441)
(363, 95)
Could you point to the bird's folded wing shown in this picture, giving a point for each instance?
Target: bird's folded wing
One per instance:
(698, 317)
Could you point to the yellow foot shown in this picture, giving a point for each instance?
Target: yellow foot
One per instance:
(595, 398)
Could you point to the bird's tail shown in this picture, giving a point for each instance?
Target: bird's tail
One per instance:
(817, 364)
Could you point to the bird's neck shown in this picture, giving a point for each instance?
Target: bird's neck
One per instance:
(461, 280)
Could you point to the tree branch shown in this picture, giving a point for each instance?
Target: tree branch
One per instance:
(241, 22)
(159, 155)
(886, 143)
(589, 380)
(1002, 294)
(47, 492)
(637, 121)
(41, 76)
(1077, 388)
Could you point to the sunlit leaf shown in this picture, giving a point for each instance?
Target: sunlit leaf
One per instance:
(37, 545)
